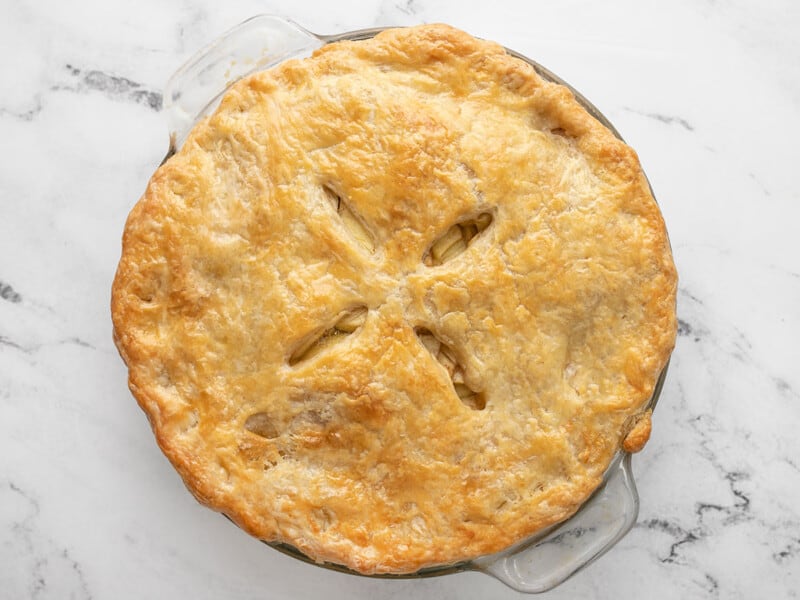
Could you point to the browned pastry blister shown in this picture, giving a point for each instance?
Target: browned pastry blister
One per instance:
(398, 304)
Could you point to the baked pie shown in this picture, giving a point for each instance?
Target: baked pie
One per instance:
(398, 304)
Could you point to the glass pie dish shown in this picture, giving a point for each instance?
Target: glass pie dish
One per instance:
(535, 564)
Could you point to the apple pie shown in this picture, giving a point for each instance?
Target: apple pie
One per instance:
(398, 304)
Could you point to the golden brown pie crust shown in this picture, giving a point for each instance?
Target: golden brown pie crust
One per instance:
(455, 404)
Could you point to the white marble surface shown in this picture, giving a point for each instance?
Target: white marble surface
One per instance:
(708, 92)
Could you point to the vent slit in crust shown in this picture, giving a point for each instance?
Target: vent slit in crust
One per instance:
(316, 343)
(447, 358)
(456, 239)
(262, 425)
(351, 221)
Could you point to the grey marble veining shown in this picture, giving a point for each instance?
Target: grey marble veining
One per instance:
(708, 94)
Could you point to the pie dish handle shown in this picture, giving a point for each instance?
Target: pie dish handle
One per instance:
(256, 44)
(545, 562)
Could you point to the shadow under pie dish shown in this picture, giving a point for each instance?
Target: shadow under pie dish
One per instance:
(398, 305)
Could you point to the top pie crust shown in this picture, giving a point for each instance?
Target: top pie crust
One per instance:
(297, 338)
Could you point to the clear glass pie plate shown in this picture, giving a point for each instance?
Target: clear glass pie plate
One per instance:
(536, 564)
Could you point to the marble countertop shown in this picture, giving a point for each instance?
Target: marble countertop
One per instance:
(707, 92)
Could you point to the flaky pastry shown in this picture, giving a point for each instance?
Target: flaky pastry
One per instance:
(398, 304)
